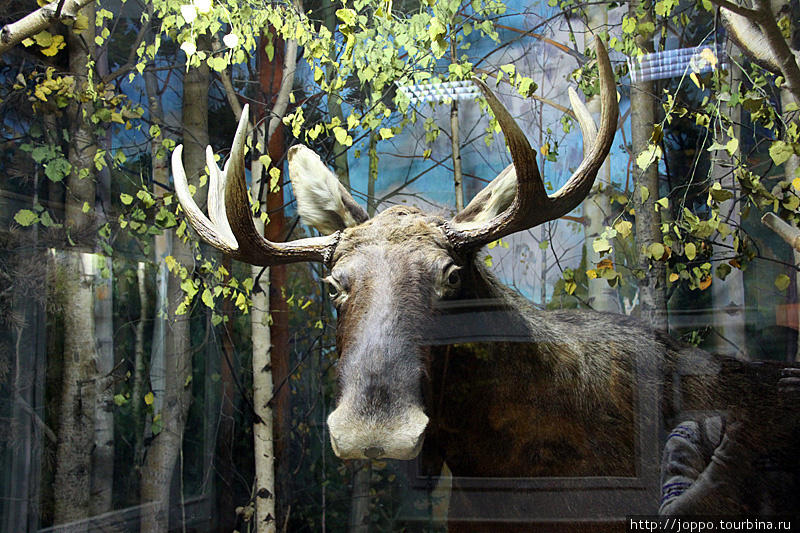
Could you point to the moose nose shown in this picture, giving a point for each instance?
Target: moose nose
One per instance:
(358, 437)
(373, 452)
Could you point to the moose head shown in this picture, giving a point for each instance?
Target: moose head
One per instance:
(389, 274)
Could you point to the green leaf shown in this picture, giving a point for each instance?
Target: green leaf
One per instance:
(628, 25)
(648, 156)
(691, 251)
(126, 199)
(780, 152)
(157, 425)
(26, 217)
(120, 400)
(347, 16)
(208, 298)
(340, 134)
(146, 198)
(723, 270)
(623, 227)
(782, 282)
(601, 245)
(657, 250)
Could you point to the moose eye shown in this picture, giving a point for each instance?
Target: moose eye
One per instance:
(453, 279)
(336, 291)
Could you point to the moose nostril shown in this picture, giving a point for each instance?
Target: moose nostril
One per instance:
(373, 452)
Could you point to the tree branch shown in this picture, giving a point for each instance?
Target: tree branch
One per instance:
(736, 8)
(756, 32)
(784, 230)
(780, 48)
(131, 62)
(15, 32)
(227, 83)
(289, 68)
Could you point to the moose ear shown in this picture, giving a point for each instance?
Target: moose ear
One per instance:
(322, 201)
(490, 202)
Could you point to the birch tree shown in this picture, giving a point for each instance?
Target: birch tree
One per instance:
(645, 139)
(76, 425)
(160, 465)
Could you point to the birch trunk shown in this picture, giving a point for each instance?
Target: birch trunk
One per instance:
(76, 428)
(137, 390)
(102, 480)
(455, 140)
(71, 487)
(652, 284)
(597, 210)
(159, 466)
(358, 521)
(261, 337)
(791, 169)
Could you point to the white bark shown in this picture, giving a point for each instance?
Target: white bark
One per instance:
(263, 434)
(102, 480)
(790, 170)
(597, 206)
(263, 438)
(160, 465)
(137, 392)
(652, 287)
(14, 33)
(76, 427)
(262, 394)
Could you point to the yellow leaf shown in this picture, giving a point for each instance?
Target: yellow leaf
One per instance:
(606, 263)
(591, 274)
(56, 45)
(41, 93)
(673, 277)
(796, 184)
(623, 227)
(691, 251)
(81, 23)
(570, 286)
(709, 56)
(43, 39)
(148, 398)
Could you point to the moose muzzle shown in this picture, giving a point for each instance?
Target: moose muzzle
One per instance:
(355, 436)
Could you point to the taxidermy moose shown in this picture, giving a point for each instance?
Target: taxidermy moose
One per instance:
(556, 398)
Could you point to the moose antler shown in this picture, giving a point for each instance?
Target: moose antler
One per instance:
(230, 227)
(532, 206)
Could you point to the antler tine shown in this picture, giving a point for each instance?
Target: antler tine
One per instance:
(231, 228)
(585, 121)
(580, 183)
(532, 206)
(208, 230)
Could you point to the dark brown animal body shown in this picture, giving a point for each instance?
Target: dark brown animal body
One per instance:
(430, 343)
